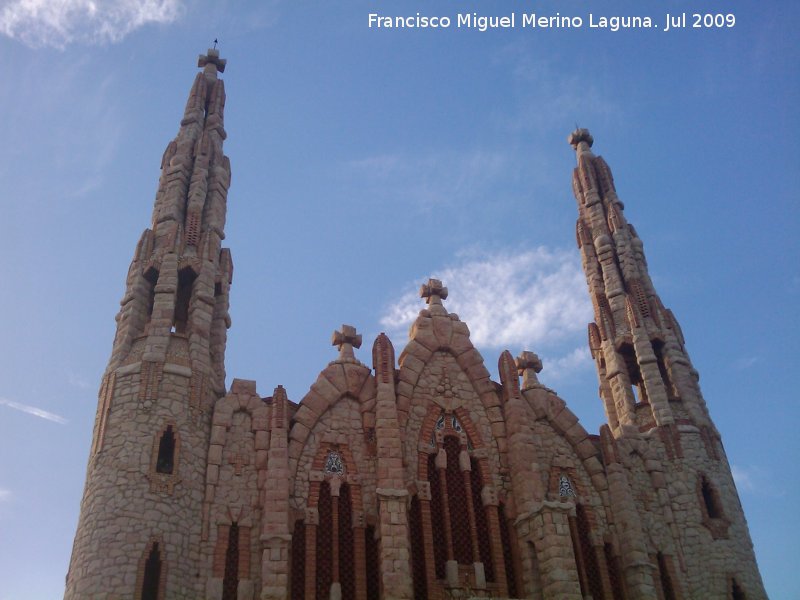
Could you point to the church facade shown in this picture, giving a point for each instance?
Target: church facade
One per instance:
(398, 475)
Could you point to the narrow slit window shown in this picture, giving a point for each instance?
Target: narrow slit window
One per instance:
(230, 583)
(152, 277)
(634, 374)
(666, 580)
(186, 279)
(658, 350)
(710, 499)
(737, 593)
(166, 452)
(152, 574)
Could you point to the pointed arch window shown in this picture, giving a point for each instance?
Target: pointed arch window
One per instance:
(163, 473)
(151, 576)
(341, 555)
(460, 528)
(165, 463)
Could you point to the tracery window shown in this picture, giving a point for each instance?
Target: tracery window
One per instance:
(334, 553)
(565, 487)
(460, 529)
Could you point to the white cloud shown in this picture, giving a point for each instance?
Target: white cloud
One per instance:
(562, 367)
(5, 495)
(40, 23)
(32, 410)
(510, 299)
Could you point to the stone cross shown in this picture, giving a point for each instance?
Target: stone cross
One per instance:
(433, 291)
(346, 339)
(212, 58)
(528, 365)
(580, 135)
(238, 461)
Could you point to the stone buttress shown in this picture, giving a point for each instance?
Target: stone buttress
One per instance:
(139, 530)
(669, 480)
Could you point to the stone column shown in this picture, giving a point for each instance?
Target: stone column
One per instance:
(395, 551)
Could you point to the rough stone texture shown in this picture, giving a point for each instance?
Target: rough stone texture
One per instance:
(457, 486)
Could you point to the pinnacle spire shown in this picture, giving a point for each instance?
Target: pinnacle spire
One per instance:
(180, 275)
(635, 341)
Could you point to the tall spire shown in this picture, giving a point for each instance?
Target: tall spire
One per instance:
(180, 275)
(646, 377)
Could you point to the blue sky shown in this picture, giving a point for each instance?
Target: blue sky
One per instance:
(365, 161)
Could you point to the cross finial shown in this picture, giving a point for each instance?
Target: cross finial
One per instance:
(346, 339)
(580, 135)
(211, 60)
(528, 365)
(433, 291)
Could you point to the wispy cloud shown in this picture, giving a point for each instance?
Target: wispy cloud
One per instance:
(5, 495)
(547, 93)
(39, 23)
(32, 410)
(509, 299)
(743, 478)
(77, 381)
(746, 362)
(752, 479)
(431, 179)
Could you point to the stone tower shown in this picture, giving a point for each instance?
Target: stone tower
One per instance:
(142, 503)
(668, 477)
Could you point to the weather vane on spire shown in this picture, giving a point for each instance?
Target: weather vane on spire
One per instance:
(215, 43)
